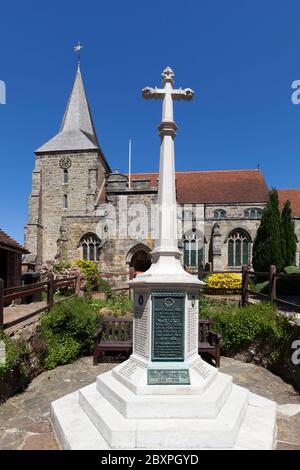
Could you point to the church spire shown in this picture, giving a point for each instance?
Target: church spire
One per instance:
(77, 130)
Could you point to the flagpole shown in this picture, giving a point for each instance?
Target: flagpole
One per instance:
(129, 164)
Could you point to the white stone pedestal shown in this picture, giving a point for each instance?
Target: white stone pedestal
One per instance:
(123, 410)
(211, 414)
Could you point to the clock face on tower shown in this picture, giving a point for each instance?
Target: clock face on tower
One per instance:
(65, 162)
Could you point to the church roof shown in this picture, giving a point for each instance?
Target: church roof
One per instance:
(216, 187)
(7, 242)
(77, 130)
(293, 195)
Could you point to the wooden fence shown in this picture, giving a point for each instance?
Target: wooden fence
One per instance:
(8, 295)
(272, 276)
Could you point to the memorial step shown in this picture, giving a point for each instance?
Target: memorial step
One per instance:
(220, 432)
(120, 432)
(247, 421)
(73, 428)
(130, 405)
(258, 428)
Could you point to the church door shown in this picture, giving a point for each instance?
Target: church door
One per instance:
(140, 261)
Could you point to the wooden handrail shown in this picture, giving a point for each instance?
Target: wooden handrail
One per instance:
(103, 275)
(273, 276)
(60, 282)
(253, 292)
(28, 287)
(12, 293)
(295, 277)
(20, 295)
(285, 302)
(259, 273)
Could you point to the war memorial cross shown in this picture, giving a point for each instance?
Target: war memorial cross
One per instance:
(167, 236)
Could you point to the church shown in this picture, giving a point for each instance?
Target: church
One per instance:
(80, 209)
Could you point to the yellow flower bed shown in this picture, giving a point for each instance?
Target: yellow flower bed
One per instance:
(224, 281)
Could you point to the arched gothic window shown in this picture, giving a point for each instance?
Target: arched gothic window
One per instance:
(193, 248)
(253, 213)
(239, 248)
(219, 214)
(90, 247)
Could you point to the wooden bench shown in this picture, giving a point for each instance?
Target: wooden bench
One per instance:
(115, 335)
(209, 341)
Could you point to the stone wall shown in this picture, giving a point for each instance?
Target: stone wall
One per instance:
(17, 378)
(261, 354)
(46, 203)
(119, 245)
(73, 228)
(53, 230)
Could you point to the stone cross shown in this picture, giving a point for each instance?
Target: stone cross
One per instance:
(168, 240)
(168, 94)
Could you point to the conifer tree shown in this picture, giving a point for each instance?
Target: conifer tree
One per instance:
(288, 235)
(267, 247)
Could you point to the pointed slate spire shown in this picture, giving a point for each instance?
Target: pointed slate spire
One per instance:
(77, 130)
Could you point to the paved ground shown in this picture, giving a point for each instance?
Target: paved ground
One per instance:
(15, 314)
(25, 418)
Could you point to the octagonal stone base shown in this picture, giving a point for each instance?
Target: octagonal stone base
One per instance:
(109, 415)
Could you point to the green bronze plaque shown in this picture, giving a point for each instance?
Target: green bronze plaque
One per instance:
(168, 326)
(168, 377)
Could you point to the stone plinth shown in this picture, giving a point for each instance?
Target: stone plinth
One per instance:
(215, 415)
(150, 403)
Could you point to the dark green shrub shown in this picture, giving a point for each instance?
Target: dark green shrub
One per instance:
(289, 240)
(61, 350)
(15, 371)
(13, 353)
(268, 245)
(241, 326)
(68, 330)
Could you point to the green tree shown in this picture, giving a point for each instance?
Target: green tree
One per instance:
(288, 235)
(267, 247)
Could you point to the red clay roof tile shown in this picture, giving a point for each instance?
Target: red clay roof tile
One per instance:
(216, 187)
(293, 195)
(7, 242)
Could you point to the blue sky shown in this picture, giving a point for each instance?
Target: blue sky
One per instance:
(239, 56)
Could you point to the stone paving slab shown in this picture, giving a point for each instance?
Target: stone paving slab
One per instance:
(25, 418)
(19, 315)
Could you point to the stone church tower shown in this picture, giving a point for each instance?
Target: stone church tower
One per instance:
(69, 170)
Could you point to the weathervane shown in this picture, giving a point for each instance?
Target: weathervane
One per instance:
(77, 49)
